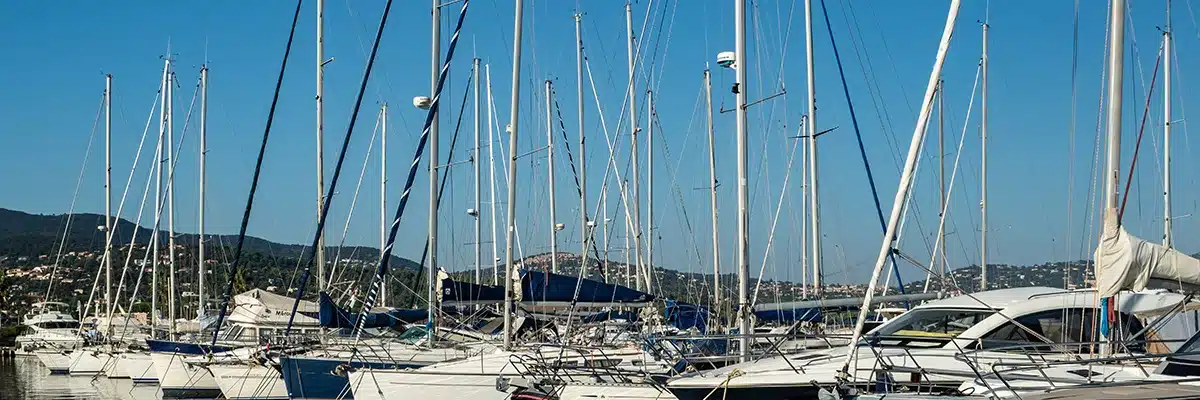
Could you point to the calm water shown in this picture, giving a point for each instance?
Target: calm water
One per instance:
(24, 378)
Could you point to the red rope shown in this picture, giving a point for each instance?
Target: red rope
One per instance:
(1141, 132)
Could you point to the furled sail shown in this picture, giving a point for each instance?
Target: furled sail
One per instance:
(542, 288)
(333, 316)
(1127, 262)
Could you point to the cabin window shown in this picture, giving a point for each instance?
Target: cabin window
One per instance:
(58, 325)
(929, 327)
(1072, 326)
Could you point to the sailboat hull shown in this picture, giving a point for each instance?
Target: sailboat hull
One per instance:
(615, 391)
(55, 361)
(315, 378)
(178, 379)
(137, 366)
(90, 362)
(239, 381)
(798, 392)
(380, 385)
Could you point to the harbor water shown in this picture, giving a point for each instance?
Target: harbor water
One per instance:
(24, 378)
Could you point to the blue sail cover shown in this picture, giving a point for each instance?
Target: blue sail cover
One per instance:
(686, 316)
(332, 316)
(790, 315)
(546, 288)
(543, 288)
(451, 291)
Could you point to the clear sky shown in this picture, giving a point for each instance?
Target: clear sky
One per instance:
(1040, 174)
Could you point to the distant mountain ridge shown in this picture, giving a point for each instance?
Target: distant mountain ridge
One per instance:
(28, 234)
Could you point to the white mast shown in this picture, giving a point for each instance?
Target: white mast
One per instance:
(514, 113)
(743, 192)
(941, 99)
(203, 269)
(633, 155)
(383, 223)
(550, 177)
(321, 139)
(158, 155)
(815, 192)
(1167, 130)
(630, 273)
(1116, 57)
(910, 164)
(649, 189)
(983, 109)
(940, 251)
(171, 197)
(108, 218)
(435, 70)
(712, 191)
(583, 207)
(476, 160)
(492, 173)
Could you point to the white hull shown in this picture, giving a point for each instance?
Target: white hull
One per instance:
(176, 376)
(86, 362)
(56, 361)
(248, 381)
(415, 384)
(614, 391)
(136, 366)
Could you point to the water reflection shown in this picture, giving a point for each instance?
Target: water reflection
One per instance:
(24, 378)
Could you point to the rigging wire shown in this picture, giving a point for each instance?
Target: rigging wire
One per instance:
(74, 197)
(442, 184)
(862, 151)
(257, 171)
(385, 259)
(337, 170)
(1138, 144)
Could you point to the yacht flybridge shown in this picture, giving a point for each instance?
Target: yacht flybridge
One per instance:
(49, 327)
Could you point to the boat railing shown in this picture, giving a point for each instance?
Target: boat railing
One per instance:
(562, 364)
(1002, 363)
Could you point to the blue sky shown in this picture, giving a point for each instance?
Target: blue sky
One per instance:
(1039, 179)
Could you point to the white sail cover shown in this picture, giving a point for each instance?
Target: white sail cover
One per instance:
(1127, 262)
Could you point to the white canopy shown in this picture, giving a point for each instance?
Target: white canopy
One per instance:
(1126, 262)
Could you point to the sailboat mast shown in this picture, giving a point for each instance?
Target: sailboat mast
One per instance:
(158, 162)
(435, 69)
(171, 198)
(1167, 130)
(743, 192)
(633, 153)
(814, 190)
(583, 206)
(983, 110)
(321, 283)
(108, 218)
(939, 95)
(906, 177)
(492, 173)
(383, 225)
(514, 113)
(712, 191)
(550, 178)
(203, 269)
(476, 160)
(1117, 72)
(649, 190)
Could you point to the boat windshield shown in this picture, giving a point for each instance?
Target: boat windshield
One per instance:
(58, 325)
(929, 326)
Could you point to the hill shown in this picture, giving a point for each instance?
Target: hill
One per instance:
(24, 234)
